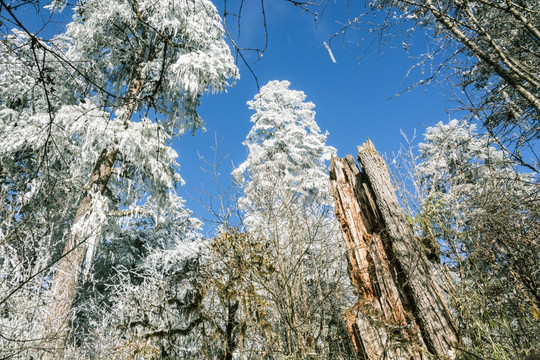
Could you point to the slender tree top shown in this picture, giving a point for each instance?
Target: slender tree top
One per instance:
(286, 149)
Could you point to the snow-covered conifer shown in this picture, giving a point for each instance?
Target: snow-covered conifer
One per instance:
(288, 210)
(285, 148)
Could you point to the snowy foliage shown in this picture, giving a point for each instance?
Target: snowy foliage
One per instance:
(176, 47)
(461, 166)
(483, 212)
(147, 276)
(455, 150)
(285, 147)
(123, 78)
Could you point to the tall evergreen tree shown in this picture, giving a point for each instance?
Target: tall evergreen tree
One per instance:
(288, 207)
(91, 114)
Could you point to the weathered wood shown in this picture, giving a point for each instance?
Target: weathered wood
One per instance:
(400, 313)
(378, 322)
(413, 270)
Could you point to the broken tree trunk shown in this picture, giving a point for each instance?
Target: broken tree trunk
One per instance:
(400, 313)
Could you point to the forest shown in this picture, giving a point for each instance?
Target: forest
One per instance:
(431, 252)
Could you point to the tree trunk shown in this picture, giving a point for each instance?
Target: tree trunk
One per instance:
(57, 314)
(400, 313)
(66, 276)
(231, 330)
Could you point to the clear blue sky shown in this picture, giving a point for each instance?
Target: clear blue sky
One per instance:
(351, 96)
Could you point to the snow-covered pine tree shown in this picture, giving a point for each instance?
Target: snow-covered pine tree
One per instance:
(287, 207)
(285, 144)
(90, 115)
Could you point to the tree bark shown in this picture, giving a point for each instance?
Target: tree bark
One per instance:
(400, 313)
(66, 276)
(57, 314)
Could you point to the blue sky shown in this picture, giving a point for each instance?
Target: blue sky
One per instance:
(353, 97)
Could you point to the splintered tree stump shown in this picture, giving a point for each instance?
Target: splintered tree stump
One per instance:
(400, 313)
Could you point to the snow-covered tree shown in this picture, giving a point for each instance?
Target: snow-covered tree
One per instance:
(484, 214)
(90, 115)
(285, 148)
(288, 210)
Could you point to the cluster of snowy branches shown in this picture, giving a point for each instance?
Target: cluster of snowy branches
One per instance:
(476, 211)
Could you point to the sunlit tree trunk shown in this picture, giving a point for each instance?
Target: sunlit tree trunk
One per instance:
(57, 314)
(400, 313)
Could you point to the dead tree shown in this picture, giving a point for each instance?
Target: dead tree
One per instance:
(400, 313)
